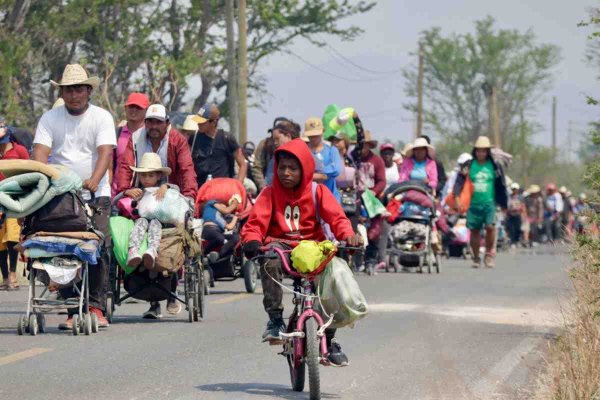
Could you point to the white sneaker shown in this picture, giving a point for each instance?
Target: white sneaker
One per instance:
(149, 259)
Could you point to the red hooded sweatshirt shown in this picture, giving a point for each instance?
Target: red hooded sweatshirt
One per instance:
(289, 215)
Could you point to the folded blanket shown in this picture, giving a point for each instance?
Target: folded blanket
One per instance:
(51, 246)
(30, 185)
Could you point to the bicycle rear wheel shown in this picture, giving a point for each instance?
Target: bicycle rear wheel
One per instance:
(297, 366)
(312, 359)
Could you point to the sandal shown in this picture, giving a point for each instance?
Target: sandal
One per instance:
(4, 285)
(476, 262)
(489, 260)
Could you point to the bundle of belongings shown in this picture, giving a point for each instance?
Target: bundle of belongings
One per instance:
(408, 230)
(172, 209)
(409, 204)
(59, 236)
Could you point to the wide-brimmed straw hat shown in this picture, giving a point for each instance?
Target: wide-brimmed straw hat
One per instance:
(483, 142)
(408, 146)
(534, 189)
(418, 143)
(369, 141)
(75, 74)
(151, 163)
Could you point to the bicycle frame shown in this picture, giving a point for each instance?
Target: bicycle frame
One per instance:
(307, 310)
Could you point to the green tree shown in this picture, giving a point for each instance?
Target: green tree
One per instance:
(154, 46)
(456, 67)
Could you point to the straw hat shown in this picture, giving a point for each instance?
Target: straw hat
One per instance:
(75, 74)
(563, 190)
(369, 139)
(421, 142)
(533, 189)
(515, 186)
(483, 142)
(151, 163)
(189, 124)
(407, 147)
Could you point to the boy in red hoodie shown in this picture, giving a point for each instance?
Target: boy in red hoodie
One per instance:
(284, 214)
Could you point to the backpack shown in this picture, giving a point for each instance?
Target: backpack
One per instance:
(64, 213)
(171, 253)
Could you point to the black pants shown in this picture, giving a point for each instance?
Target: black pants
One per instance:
(97, 274)
(513, 226)
(8, 259)
(215, 237)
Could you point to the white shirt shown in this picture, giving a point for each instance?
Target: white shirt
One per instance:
(392, 175)
(74, 140)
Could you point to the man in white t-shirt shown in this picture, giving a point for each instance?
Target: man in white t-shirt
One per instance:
(82, 136)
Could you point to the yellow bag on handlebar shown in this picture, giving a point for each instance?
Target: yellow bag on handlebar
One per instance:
(308, 255)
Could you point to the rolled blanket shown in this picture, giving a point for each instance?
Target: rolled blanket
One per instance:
(30, 185)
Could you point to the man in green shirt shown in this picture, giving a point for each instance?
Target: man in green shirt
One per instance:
(489, 189)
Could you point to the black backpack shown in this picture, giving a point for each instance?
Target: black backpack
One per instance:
(64, 213)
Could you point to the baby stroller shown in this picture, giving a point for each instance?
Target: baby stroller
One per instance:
(456, 243)
(233, 265)
(60, 260)
(182, 241)
(412, 227)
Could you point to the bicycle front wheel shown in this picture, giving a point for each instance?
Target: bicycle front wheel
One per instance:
(297, 366)
(312, 359)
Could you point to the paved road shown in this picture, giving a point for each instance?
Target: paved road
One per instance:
(465, 334)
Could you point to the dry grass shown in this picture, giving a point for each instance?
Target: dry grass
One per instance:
(573, 365)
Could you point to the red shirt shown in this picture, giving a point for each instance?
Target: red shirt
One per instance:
(17, 152)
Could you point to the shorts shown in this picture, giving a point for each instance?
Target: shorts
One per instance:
(480, 216)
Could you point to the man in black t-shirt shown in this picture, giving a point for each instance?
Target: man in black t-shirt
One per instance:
(214, 151)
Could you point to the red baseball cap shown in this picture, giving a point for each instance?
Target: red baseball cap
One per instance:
(386, 146)
(138, 99)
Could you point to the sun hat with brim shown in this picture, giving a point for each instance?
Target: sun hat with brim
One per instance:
(406, 148)
(483, 142)
(75, 74)
(419, 143)
(515, 186)
(313, 127)
(534, 189)
(189, 124)
(369, 139)
(563, 190)
(151, 163)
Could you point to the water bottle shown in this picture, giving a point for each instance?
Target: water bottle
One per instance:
(209, 177)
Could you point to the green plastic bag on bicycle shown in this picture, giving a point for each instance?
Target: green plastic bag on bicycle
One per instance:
(340, 294)
(120, 230)
(308, 255)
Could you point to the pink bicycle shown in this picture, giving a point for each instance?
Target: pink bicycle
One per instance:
(304, 342)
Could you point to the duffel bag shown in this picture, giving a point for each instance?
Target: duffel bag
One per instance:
(171, 253)
(64, 213)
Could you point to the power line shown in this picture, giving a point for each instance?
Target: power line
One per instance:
(363, 80)
(349, 61)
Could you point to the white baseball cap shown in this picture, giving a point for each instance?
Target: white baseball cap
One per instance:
(157, 111)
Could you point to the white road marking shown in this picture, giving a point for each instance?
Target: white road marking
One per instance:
(494, 315)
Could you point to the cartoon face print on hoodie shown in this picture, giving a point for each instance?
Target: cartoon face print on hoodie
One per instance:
(292, 220)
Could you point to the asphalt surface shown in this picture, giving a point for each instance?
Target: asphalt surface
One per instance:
(463, 334)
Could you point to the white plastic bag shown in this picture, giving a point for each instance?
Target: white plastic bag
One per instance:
(340, 294)
(172, 209)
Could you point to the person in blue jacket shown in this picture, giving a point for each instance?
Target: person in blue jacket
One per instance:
(328, 163)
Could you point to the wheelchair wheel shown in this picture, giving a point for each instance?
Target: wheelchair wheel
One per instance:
(201, 291)
(249, 271)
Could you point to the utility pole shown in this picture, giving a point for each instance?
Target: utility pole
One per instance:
(493, 115)
(496, 111)
(524, 168)
(554, 129)
(232, 73)
(243, 71)
(419, 131)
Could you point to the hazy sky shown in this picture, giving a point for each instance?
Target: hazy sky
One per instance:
(391, 31)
